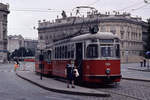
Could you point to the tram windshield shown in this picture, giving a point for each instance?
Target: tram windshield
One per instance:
(110, 50)
(99, 50)
(107, 51)
(92, 51)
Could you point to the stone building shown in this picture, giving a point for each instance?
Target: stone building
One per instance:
(4, 11)
(31, 44)
(129, 29)
(14, 42)
(17, 41)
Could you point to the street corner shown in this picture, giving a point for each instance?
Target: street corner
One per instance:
(59, 87)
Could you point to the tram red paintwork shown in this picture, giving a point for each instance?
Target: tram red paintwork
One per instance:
(95, 70)
(47, 68)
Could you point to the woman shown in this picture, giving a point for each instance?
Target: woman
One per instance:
(70, 74)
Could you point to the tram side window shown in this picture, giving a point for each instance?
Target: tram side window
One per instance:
(72, 51)
(117, 49)
(65, 51)
(68, 51)
(92, 51)
(55, 55)
(49, 55)
(57, 52)
(60, 53)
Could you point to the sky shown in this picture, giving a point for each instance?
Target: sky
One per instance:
(25, 14)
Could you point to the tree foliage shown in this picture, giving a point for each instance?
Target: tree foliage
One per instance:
(21, 52)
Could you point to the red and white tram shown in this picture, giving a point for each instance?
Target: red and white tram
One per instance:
(97, 57)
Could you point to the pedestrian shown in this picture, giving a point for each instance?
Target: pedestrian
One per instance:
(70, 74)
(15, 66)
(144, 61)
(141, 62)
(76, 73)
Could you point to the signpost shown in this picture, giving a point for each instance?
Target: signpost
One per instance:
(126, 53)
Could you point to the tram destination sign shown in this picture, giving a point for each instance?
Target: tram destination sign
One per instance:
(106, 40)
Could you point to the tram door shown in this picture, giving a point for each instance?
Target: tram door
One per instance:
(79, 58)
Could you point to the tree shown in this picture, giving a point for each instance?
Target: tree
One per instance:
(22, 52)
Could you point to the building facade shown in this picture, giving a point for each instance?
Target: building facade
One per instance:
(4, 11)
(14, 42)
(17, 41)
(31, 44)
(129, 30)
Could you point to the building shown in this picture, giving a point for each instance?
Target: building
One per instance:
(17, 41)
(128, 28)
(4, 11)
(31, 44)
(14, 42)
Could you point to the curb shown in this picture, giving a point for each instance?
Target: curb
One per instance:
(103, 94)
(144, 70)
(134, 79)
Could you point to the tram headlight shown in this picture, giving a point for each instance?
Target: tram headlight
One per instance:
(108, 71)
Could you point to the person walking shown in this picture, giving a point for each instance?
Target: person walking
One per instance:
(141, 62)
(70, 74)
(16, 66)
(144, 62)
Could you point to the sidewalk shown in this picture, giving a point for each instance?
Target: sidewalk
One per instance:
(133, 71)
(53, 85)
(138, 68)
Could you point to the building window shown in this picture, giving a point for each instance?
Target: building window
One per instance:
(128, 35)
(113, 29)
(103, 29)
(122, 34)
(41, 37)
(122, 44)
(122, 53)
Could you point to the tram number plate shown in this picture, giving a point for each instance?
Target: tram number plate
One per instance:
(107, 64)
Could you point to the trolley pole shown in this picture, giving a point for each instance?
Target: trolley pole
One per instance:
(41, 58)
(41, 72)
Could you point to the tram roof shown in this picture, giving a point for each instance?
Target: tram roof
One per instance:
(99, 35)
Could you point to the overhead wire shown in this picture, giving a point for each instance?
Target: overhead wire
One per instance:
(94, 3)
(139, 7)
(130, 6)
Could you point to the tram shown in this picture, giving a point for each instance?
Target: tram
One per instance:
(97, 57)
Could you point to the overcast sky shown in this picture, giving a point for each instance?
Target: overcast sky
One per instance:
(24, 14)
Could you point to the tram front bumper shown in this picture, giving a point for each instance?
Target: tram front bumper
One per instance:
(106, 77)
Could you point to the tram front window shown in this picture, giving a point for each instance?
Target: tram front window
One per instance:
(92, 51)
(107, 51)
